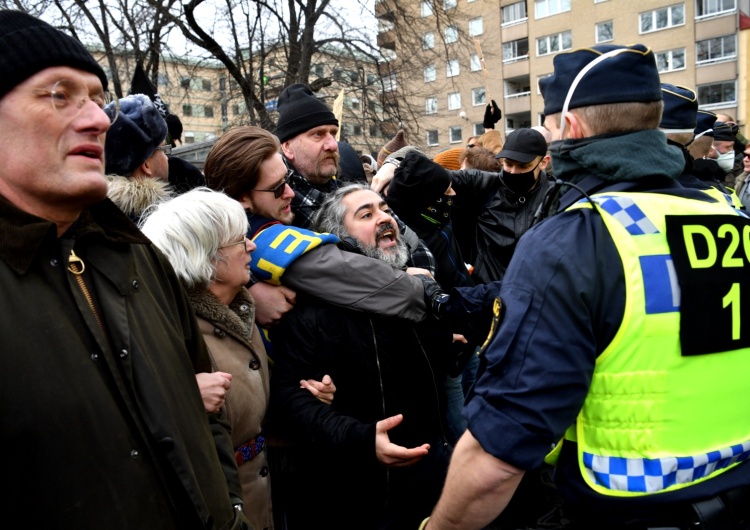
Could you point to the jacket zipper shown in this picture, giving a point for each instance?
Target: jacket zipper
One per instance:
(434, 385)
(76, 266)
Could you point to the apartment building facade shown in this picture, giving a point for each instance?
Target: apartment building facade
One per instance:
(490, 49)
(208, 101)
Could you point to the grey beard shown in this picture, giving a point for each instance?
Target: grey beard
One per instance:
(395, 257)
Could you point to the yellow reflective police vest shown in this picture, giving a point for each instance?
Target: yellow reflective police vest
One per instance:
(655, 420)
(729, 198)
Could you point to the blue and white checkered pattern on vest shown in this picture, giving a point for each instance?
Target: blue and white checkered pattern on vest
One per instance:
(626, 212)
(653, 475)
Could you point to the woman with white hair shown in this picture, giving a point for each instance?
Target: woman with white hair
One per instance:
(202, 233)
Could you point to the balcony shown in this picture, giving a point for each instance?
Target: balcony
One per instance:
(387, 40)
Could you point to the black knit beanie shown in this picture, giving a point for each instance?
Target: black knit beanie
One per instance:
(417, 182)
(30, 45)
(300, 111)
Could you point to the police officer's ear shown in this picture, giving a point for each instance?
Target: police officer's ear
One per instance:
(574, 126)
(544, 162)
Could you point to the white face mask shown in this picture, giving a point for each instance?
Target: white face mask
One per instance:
(726, 161)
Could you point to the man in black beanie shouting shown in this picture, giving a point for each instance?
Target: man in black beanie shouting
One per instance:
(103, 425)
(307, 131)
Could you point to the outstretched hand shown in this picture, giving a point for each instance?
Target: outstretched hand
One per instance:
(393, 455)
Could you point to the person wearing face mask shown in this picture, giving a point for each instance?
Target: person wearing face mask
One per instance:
(620, 357)
(678, 123)
(498, 208)
(421, 195)
(710, 163)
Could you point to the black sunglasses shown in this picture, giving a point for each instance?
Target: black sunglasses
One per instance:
(278, 190)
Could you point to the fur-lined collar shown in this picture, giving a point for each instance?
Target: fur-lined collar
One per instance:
(237, 319)
(134, 195)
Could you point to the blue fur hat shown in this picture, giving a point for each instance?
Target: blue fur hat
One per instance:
(680, 109)
(628, 75)
(136, 133)
(705, 123)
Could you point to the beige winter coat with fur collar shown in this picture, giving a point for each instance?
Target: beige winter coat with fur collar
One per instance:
(236, 347)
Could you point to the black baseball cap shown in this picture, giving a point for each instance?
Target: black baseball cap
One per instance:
(523, 145)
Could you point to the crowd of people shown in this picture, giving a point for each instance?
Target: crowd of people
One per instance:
(544, 330)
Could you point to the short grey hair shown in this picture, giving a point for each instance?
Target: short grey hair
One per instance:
(190, 228)
(330, 216)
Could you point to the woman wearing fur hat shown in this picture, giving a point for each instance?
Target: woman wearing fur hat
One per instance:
(136, 156)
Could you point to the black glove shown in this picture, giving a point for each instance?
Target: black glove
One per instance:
(492, 115)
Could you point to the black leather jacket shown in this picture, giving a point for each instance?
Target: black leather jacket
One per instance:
(489, 219)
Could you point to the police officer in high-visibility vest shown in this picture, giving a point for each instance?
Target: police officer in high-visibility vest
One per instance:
(625, 339)
(678, 123)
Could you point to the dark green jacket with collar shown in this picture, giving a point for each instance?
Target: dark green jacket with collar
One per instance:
(102, 422)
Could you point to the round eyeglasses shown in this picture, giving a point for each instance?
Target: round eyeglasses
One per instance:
(68, 98)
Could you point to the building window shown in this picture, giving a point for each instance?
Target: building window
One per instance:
(546, 8)
(516, 88)
(430, 105)
(454, 101)
(195, 83)
(353, 103)
(452, 68)
(426, 9)
(208, 112)
(514, 13)
(187, 110)
(428, 41)
(478, 129)
(374, 131)
(605, 31)
(451, 34)
(162, 80)
(666, 17)
(716, 49)
(318, 70)
(356, 129)
(515, 50)
(430, 74)
(390, 83)
(720, 94)
(478, 96)
(476, 27)
(449, 4)
(475, 63)
(554, 43)
(671, 60)
(455, 134)
(432, 137)
(712, 8)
